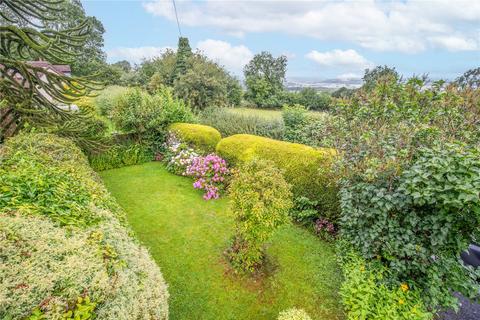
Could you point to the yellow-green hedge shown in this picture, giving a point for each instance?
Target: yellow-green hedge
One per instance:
(201, 137)
(308, 170)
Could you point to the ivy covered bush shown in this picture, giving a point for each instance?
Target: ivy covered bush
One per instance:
(201, 137)
(308, 170)
(66, 251)
(260, 201)
(420, 223)
(410, 184)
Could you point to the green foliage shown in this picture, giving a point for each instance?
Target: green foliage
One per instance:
(260, 201)
(343, 92)
(294, 314)
(163, 68)
(206, 84)
(308, 170)
(470, 79)
(420, 222)
(182, 59)
(314, 100)
(295, 119)
(304, 210)
(203, 138)
(229, 122)
(377, 75)
(366, 296)
(63, 236)
(84, 310)
(264, 77)
(25, 34)
(107, 99)
(144, 114)
(120, 155)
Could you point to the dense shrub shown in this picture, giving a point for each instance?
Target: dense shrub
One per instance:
(260, 200)
(119, 155)
(201, 137)
(313, 100)
(107, 99)
(308, 170)
(293, 314)
(421, 222)
(210, 173)
(178, 155)
(230, 123)
(65, 249)
(398, 162)
(366, 296)
(295, 119)
(137, 111)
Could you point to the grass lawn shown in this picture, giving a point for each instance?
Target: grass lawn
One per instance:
(187, 235)
(268, 113)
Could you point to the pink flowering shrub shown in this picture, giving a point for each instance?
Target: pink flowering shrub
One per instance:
(209, 172)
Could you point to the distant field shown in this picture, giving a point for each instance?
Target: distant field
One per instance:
(265, 113)
(268, 113)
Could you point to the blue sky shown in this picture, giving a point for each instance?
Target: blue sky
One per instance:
(322, 39)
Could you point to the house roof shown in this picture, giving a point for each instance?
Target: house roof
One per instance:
(58, 68)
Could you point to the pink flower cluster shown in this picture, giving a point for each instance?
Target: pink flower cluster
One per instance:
(323, 224)
(210, 172)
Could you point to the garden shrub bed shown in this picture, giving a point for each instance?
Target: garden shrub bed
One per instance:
(66, 251)
(308, 170)
(203, 138)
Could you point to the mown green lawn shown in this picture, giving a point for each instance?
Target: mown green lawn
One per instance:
(187, 235)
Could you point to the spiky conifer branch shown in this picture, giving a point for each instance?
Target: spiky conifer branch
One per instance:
(30, 93)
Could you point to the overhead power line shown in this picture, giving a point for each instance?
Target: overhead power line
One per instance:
(176, 16)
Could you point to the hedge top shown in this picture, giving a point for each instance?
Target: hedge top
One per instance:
(307, 169)
(199, 136)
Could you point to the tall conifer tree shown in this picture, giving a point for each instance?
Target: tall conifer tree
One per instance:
(184, 52)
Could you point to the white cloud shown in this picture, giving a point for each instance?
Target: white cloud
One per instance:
(232, 57)
(455, 43)
(348, 76)
(337, 58)
(400, 25)
(135, 55)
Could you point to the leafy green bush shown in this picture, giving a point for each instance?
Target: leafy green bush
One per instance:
(419, 224)
(120, 155)
(366, 296)
(313, 100)
(294, 314)
(260, 200)
(139, 112)
(107, 99)
(230, 123)
(200, 137)
(308, 170)
(295, 119)
(65, 250)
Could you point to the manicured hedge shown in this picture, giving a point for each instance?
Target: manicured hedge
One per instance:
(201, 137)
(65, 250)
(308, 170)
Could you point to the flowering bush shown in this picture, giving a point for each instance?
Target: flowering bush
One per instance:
(178, 155)
(210, 173)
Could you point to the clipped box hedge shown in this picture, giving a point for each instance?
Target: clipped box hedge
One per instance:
(308, 170)
(203, 138)
(65, 250)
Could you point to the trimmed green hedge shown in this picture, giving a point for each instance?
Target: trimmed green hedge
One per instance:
(308, 170)
(66, 251)
(201, 137)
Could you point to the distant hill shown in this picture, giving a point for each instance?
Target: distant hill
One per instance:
(297, 83)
